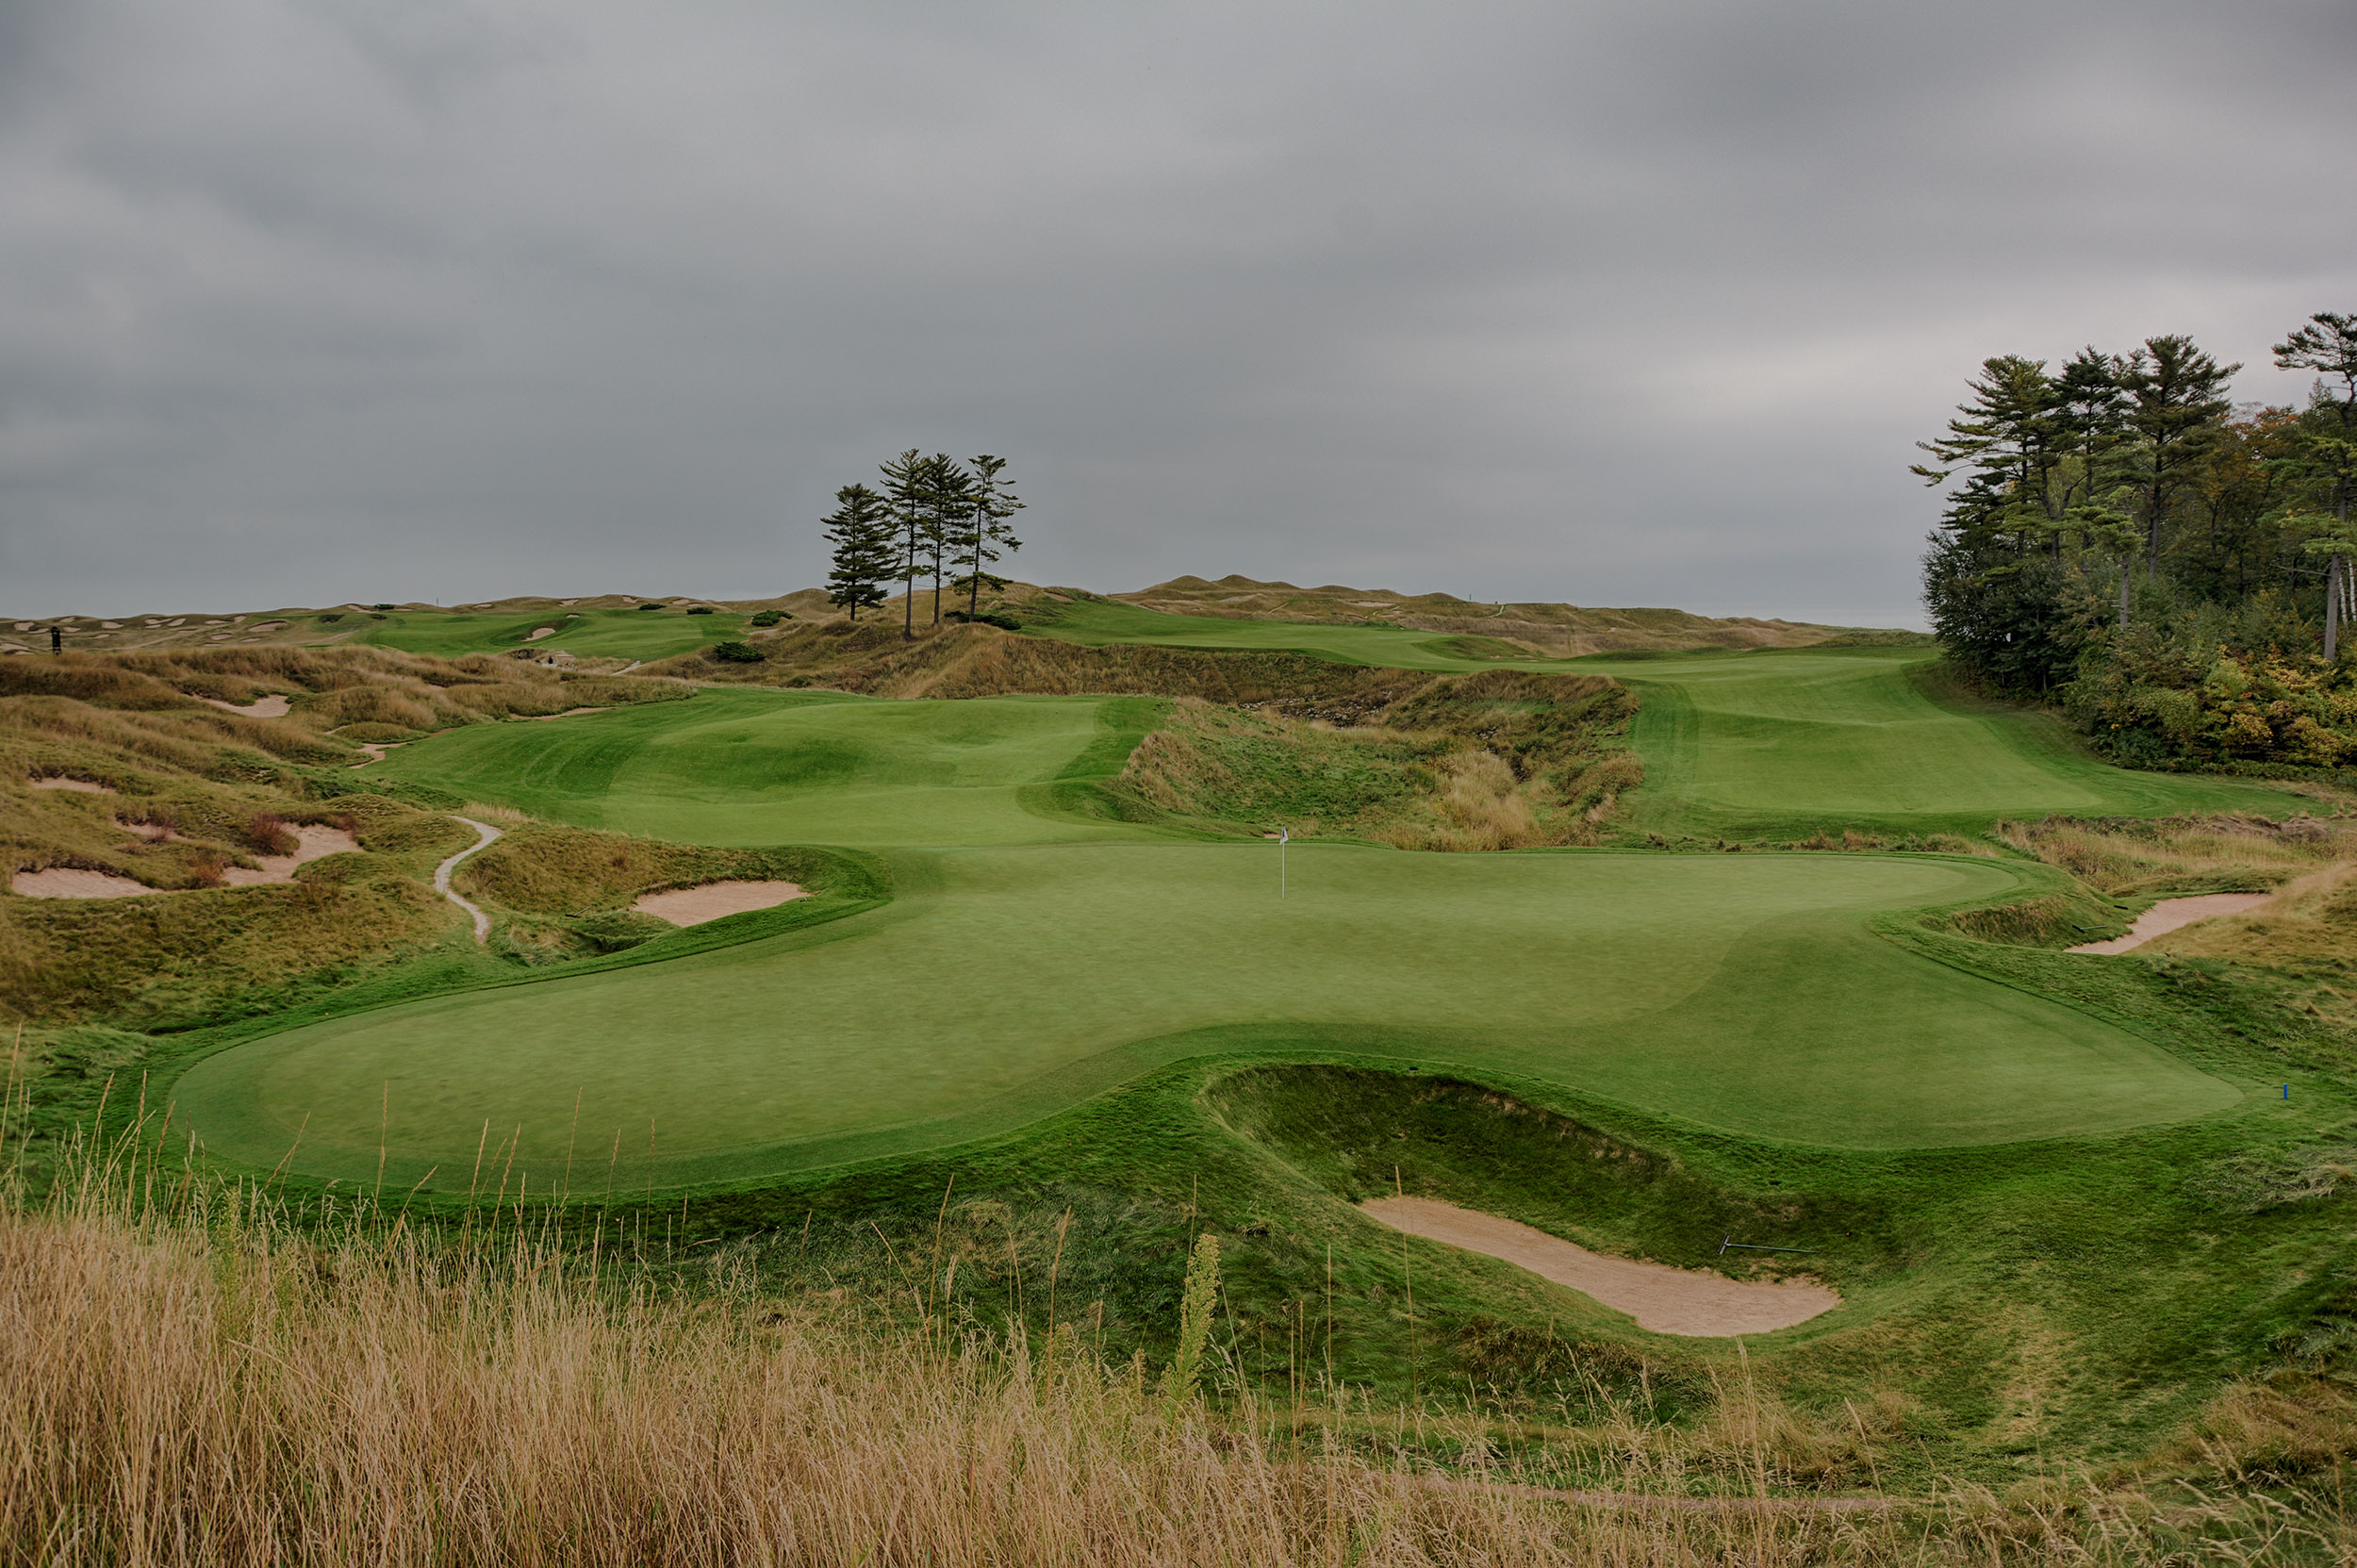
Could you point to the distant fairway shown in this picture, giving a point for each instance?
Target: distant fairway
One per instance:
(645, 634)
(1739, 993)
(1778, 741)
(801, 767)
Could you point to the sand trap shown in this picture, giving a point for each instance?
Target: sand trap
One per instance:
(375, 750)
(1666, 1300)
(61, 882)
(693, 906)
(81, 786)
(154, 832)
(539, 632)
(317, 844)
(272, 706)
(2175, 915)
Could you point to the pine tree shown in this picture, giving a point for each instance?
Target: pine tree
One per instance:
(906, 490)
(2176, 401)
(2327, 345)
(949, 499)
(987, 533)
(861, 531)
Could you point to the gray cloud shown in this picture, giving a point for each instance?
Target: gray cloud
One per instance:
(1620, 303)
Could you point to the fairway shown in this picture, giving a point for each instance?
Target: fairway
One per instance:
(643, 635)
(739, 767)
(1740, 994)
(1775, 741)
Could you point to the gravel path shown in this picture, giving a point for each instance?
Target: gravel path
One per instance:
(441, 877)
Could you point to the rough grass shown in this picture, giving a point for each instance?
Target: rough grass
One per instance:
(192, 1379)
(2233, 853)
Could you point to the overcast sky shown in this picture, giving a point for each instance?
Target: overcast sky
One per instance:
(303, 300)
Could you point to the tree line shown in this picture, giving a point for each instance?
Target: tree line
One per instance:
(2118, 523)
(934, 515)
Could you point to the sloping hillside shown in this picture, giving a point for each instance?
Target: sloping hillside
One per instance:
(1561, 630)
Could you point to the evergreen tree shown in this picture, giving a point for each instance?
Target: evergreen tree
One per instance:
(2176, 404)
(905, 491)
(2004, 441)
(986, 533)
(861, 531)
(2327, 442)
(949, 491)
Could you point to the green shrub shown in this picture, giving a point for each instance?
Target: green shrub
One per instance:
(736, 652)
(651, 606)
(767, 618)
(379, 606)
(988, 618)
(700, 609)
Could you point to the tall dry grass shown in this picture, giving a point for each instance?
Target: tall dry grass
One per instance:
(187, 1377)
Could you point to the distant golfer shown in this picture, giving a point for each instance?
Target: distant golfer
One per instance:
(57, 639)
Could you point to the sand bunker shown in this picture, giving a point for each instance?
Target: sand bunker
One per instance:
(80, 785)
(316, 844)
(1666, 1300)
(375, 750)
(61, 881)
(693, 906)
(271, 706)
(539, 632)
(2175, 915)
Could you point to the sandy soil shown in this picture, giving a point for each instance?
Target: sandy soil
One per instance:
(2175, 915)
(1666, 1300)
(154, 832)
(375, 750)
(81, 786)
(318, 843)
(544, 718)
(61, 882)
(693, 906)
(539, 632)
(271, 706)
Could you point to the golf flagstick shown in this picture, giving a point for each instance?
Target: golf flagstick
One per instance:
(1284, 836)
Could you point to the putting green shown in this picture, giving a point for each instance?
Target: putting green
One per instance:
(1775, 741)
(798, 767)
(1739, 993)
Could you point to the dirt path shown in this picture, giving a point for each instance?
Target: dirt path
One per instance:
(441, 877)
(1666, 1300)
(2175, 915)
(693, 906)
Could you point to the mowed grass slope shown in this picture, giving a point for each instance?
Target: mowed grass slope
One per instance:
(1745, 994)
(743, 767)
(1778, 741)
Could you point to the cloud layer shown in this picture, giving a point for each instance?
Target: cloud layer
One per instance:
(1617, 304)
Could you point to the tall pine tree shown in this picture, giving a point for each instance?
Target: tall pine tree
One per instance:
(986, 534)
(906, 491)
(860, 530)
(2327, 345)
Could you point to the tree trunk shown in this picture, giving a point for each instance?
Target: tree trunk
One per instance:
(2334, 573)
(2126, 569)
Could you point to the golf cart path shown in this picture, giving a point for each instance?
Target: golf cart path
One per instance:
(1666, 1300)
(441, 876)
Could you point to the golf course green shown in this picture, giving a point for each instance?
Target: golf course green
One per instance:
(1032, 956)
